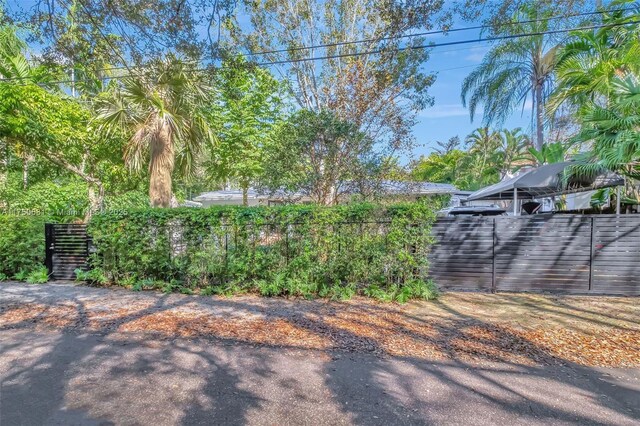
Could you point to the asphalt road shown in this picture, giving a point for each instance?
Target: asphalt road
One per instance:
(71, 377)
(52, 377)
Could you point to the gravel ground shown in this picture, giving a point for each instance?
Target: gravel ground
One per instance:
(78, 355)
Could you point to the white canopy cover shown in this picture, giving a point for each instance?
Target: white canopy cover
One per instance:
(546, 181)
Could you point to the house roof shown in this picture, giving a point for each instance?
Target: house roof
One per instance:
(387, 187)
(189, 203)
(224, 195)
(415, 188)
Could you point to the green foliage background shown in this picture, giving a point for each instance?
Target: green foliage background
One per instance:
(21, 245)
(379, 251)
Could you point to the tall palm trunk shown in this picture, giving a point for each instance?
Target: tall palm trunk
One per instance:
(161, 167)
(539, 116)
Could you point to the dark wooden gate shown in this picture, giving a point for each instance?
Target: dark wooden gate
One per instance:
(67, 249)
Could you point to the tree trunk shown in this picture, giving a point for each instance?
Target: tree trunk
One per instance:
(96, 199)
(332, 196)
(539, 117)
(161, 168)
(4, 163)
(245, 195)
(327, 193)
(25, 171)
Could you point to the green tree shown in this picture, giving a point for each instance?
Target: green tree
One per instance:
(381, 92)
(512, 145)
(125, 30)
(15, 66)
(440, 168)
(162, 113)
(316, 154)
(482, 145)
(448, 146)
(591, 59)
(54, 127)
(550, 153)
(489, 157)
(248, 105)
(614, 131)
(514, 71)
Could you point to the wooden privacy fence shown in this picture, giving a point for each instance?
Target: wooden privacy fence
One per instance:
(558, 253)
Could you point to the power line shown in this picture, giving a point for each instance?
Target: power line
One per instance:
(452, 30)
(380, 38)
(377, 51)
(451, 43)
(432, 53)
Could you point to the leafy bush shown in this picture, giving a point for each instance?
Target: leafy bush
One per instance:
(131, 199)
(21, 275)
(38, 276)
(93, 276)
(292, 250)
(56, 201)
(21, 245)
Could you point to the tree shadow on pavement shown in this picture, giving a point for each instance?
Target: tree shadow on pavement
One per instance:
(106, 375)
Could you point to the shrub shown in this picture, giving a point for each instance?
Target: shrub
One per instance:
(292, 250)
(38, 276)
(92, 276)
(56, 201)
(21, 245)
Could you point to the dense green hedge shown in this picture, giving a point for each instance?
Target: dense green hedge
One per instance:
(338, 251)
(21, 246)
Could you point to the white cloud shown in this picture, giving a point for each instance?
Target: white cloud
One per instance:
(445, 110)
(476, 54)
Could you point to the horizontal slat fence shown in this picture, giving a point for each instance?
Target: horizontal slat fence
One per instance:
(463, 257)
(555, 253)
(67, 249)
(616, 255)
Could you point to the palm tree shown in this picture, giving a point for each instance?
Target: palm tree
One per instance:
(515, 71)
(162, 111)
(614, 131)
(591, 59)
(482, 145)
(512, 144)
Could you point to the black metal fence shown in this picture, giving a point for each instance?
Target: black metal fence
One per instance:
(317, 254)
(67, 249)
(556, 253)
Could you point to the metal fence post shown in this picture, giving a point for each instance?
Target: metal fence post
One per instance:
(48, 247)
(593, 224)
(493, 257)
(226, 254)
(286, 244)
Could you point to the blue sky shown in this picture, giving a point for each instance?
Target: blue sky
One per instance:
(448, 117)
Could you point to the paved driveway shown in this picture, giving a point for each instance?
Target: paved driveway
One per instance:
(70, 376)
